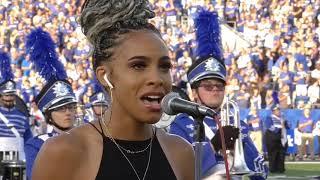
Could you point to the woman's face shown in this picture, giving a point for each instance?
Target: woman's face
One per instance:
(140, 74)
(64, 116)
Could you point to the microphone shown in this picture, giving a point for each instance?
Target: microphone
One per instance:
(172, 104)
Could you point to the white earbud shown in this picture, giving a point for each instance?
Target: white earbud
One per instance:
(107, 80)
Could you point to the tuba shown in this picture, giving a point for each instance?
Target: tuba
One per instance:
(238, 166)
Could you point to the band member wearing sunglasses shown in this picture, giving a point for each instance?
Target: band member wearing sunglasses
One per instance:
(207, 77)
(56, 99)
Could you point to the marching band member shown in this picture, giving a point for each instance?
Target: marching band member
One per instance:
(13, 122)
(276, 140)
(207, 77)
(56, 99)
(99, 103)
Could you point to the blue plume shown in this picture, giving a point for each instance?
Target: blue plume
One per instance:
(5, 67)
(208, 35)
(42, 52)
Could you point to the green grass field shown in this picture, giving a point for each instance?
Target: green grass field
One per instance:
(300, 170)
(296, 171)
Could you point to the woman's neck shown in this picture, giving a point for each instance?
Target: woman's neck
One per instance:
(125, 127)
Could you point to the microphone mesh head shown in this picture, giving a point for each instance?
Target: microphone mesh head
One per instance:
(165, 103)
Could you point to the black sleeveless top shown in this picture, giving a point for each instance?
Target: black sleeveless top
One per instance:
(114, 166)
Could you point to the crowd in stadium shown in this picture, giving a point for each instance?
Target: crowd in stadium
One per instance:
(282, 63)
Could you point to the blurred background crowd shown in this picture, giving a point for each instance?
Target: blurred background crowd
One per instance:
(281, 62)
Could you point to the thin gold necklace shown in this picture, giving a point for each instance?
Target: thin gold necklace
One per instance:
(124, 149)
(120, 149)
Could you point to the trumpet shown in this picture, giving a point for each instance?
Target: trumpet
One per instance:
(230, 110)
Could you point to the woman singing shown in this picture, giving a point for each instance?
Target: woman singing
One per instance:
(131, 61)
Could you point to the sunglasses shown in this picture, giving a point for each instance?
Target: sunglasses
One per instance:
(211, 87)
(70, 107)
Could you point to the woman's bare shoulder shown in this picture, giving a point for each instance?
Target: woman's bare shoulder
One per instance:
(175, 144)
(180, 154)
(174, 140)
(58, 154)
(64, 146)
(64, 154)
(69, 142)
(66, 142)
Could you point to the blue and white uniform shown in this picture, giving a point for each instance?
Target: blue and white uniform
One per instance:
(13, 122)
(273, 123)
(57, 92)
(183, 126)
(17, 120)
(209, 64)
(32, 147)
(276, 143)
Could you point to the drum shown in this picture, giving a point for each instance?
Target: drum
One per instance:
(12, 159)
(12, 149)
(12, 170)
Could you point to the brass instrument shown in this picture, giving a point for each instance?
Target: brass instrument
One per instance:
(230, 110)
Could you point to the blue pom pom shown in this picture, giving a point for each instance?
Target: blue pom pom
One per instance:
(5, 67)
(208, 35)
(42, 52)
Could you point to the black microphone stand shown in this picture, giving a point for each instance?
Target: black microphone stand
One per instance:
(200, 138)
(198, 145)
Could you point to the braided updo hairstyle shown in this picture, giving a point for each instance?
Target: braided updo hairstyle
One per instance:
(105, 21)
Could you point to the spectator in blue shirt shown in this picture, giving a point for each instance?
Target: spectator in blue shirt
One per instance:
(255, 124)
(285, 75)
(26, 66)
(305, 126)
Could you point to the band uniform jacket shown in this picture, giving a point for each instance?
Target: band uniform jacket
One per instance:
(183, 126)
